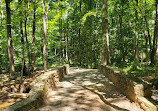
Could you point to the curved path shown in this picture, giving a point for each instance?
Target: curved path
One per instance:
(86, 90)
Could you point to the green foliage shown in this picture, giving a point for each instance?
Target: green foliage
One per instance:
(74, 27)
(90, 13)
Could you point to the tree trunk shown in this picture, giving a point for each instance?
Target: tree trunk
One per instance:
(9, 35)
(61, 56)
(105, 58)
(1, 12)
(33, 40)
(79, 31)
(153, 52)
(146, 48)
(45, 36)
(67, 56)
(136, 39)
(1, 38)
(122, 39)
(147, 35)
(22, 47)
(27, 42)
(86, 44)
(156, 54)
(22, 65)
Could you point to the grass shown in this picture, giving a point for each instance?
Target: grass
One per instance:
(141, 73)
(131, 69)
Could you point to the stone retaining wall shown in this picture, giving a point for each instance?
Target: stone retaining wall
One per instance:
(132, 87)
(39, 90)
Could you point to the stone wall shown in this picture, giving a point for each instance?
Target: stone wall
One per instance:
(132, 87)
(39, 90)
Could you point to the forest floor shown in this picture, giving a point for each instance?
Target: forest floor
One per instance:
(82, 89)
(9, 88)
(86, 90)
(145, 76)
(150, 79)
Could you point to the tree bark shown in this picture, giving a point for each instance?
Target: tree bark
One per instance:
(122, 39)
(79, 31)
(45, 36)
(1, 12)
(87, 54)
(9, 35)
(22, 65)
(136, 38)
(27, 42)
(22, 47)
(156, 54)
(61, 56)
(33, 39)
(105, 58)
(67, 56)
(147, 36)
(1, 38)
(153, 52)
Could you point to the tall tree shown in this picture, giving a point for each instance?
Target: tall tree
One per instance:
(136, 37)
(9, 35)
(22, 47)
(147, 37)
(154, 47)
(45, 35)
(121, 37)
(67, 32)
(33, 38)
(1, 37)
(156, 54)
(60, 28)
(105, 37)
(79, 32)
(26, 10)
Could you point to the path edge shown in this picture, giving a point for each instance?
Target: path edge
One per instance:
(135, 89)
(40, 88)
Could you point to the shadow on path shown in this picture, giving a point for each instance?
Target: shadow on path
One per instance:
(86, 90)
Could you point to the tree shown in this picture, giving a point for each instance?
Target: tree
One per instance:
(22, 47)
(105, 37)
(33, 38)
(74, 35)
(26, 15)
(45, 35)
(9, 35)
(136, 37)
(1, 37)
(156, 54)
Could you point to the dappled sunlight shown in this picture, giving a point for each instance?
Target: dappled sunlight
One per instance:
(88, 83)
(5, 104)
(86, 90)
(67, 84)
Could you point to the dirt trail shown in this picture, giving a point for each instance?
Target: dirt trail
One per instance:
(86, 90)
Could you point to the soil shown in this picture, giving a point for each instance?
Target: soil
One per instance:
(10, 88)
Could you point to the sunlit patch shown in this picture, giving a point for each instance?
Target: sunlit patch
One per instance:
(88, 83)
(5, 104)
(87, 90)
(67, 84)
(100, 85)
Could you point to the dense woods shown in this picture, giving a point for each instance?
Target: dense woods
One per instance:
(83, 33)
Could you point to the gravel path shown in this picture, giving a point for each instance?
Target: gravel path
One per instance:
(86, 90)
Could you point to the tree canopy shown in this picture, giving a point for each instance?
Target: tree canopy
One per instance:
(81, 33)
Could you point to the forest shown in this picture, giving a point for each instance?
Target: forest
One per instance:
(82, 33)
(38, 35)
